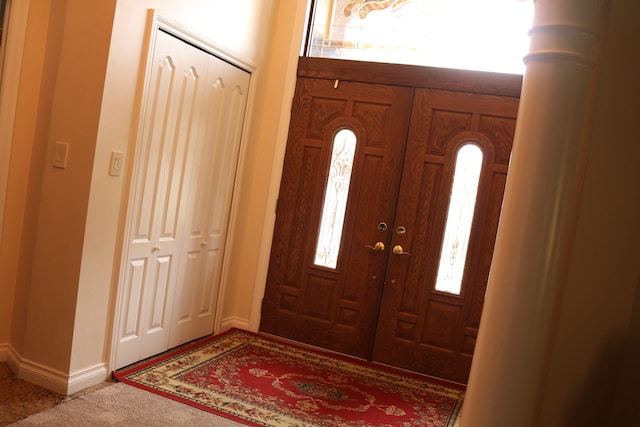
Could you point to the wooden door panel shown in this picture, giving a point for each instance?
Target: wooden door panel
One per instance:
(420, 328)
(335, 308)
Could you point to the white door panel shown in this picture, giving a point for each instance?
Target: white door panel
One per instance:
(145, 218)
(130, 308)
(208, 209)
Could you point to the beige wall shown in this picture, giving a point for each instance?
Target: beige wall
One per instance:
(81, 83)
(591, 336)
(17, 189)
(261, 181)
(59, 98)
(19, 186)
(62, 209)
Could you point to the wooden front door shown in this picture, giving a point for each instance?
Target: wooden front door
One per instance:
(421, 328)
(379, 301)
(337, 307)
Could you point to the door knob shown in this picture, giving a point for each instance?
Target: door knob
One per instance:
(378, 247)
(399, 250)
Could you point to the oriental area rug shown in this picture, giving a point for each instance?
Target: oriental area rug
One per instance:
(261, 381)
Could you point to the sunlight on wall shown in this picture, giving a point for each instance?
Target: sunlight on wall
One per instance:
(487, 35)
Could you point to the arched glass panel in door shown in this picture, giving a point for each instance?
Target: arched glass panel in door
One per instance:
(462, 202)
(335, 199)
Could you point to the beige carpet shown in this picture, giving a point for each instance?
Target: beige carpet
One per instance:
(123, 405)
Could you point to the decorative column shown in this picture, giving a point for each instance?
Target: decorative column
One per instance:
(533, 247)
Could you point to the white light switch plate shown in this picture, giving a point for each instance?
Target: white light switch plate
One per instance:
(116, 163)
(60, 155)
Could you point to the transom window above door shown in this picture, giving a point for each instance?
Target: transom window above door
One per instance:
(481, 35)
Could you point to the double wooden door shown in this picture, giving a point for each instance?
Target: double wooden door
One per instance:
(379, 301)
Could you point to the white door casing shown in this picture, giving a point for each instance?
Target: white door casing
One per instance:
(180, 198)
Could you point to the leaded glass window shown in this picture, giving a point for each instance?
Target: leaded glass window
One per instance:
(482, 35)
(335, 199)
(462, 204)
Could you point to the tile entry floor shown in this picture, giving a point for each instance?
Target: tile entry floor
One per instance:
(19, 398)
(23, 404)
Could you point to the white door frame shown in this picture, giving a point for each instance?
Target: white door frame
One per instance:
(161, 23)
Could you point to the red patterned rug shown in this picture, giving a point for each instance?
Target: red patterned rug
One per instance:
(260, 381)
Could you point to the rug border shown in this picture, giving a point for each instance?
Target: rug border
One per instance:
(120, 375)
(351, 359)
(138, 366)
(358, 361)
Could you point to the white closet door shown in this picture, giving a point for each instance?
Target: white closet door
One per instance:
(166, 191)
(208, 207)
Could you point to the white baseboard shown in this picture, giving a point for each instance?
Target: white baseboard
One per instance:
(42, 375)
(234, 322)
(87, 377)
(50, 378)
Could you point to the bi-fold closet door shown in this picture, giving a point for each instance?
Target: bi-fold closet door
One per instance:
(180, 199)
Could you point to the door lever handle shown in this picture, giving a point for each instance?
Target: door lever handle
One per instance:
(399, 250)
(378, 247)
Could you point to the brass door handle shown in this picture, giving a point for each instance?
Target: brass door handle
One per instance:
(378, 247)
(399, 250)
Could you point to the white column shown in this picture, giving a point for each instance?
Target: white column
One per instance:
(538, 216)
